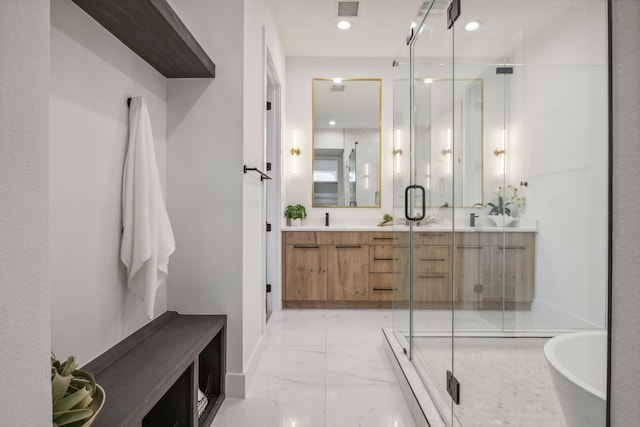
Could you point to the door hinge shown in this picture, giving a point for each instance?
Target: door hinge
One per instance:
(453, 387)
(453, 13)
(268, 105)
(268, 288)
(268, 227)
(268, 166)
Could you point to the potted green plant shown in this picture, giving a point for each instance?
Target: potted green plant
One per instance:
(76, 398)
(502, 212)
(387, 219)
(295, 214)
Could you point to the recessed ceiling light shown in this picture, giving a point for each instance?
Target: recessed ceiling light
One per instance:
(332, 123)
(344, 24)
(337, 80)
(472, 25)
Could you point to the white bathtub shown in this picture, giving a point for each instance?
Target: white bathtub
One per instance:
(578, 365)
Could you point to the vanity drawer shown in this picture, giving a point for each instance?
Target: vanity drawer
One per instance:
(343, 237)
(431, 238)
(382, 238)
(300, 238)
(432, 259)
(380, 286)
(381, 259)
(500, 239)
(432, 287)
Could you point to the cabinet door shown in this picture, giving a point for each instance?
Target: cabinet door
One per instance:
(513, 267)
(305, 272)
(473, 275)
(348, 273)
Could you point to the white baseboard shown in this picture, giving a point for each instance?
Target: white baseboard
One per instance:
(237, 384)
(560, 317)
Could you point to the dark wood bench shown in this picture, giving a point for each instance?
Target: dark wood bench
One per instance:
(151, 378)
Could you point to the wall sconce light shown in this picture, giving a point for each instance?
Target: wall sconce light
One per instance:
(397, 152)
(295, 151)
(499, 152)
(447, 151)
(428, 175)
(366, 176)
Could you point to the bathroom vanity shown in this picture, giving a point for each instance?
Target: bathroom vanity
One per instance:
(355, 269)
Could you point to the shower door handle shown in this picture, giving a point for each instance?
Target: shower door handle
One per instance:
(406, 205)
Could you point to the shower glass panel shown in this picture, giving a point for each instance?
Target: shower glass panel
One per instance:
(506, 130)
(398, 250)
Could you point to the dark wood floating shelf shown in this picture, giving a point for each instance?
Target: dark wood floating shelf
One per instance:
(152, 30)
(152, 377)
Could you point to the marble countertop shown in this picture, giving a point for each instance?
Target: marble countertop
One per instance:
(526, 227)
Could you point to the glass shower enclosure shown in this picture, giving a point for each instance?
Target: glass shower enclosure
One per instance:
(500, 159)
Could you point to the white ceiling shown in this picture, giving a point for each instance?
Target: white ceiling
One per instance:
(308, 28)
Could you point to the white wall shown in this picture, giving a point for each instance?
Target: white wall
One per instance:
(214, 128)
(25, 395)
(558, 144)
(205, 194)
(625, 345)
(260, 36)
(92, 74)
(300, 73)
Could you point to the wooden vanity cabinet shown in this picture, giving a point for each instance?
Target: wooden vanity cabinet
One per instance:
(326, 269)
(356, 269)
(494, 270)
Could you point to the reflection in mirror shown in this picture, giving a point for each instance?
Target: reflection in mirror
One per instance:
(449, 141)
(346, 142)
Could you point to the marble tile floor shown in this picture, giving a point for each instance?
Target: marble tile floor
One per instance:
(321, 368)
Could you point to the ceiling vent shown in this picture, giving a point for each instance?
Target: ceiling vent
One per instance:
(348, 9)
(337, 87)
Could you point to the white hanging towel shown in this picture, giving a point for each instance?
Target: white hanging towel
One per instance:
(147, 240)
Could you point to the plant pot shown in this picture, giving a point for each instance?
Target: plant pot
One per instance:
(501, 220)
(96, 405)
(296, 222)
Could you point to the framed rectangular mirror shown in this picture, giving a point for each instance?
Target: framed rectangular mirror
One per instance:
(449, 141)
(347, 133)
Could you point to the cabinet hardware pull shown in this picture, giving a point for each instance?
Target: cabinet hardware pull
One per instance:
(431, 234)
(432, 277)
(348, 246)
(431, 259)
(382, 289)
(469, 247)
(306, 246)
(385, 259)
(384, 238)
(511, 247)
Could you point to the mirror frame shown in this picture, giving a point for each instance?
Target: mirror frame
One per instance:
(313, 137)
